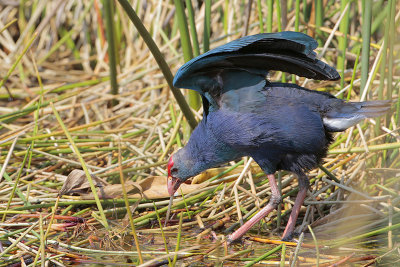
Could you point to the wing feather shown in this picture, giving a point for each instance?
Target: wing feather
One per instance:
(284, 51)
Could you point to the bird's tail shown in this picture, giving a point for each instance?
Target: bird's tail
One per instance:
(372, 109)
(348, 114)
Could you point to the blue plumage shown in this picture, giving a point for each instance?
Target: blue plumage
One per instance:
(286, 51)
(282, 126)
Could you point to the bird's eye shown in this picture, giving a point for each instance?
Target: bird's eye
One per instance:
(174, 170)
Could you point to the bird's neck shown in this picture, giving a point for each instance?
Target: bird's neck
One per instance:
(203, 151)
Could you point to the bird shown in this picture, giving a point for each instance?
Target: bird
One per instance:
(282, 126)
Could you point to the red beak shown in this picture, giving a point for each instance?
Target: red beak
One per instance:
(173, 185)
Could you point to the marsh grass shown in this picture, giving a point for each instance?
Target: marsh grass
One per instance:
(88, 84)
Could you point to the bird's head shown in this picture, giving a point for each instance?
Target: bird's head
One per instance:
(173, 181)
(181, 166)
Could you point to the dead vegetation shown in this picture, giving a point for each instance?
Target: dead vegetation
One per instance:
(57, 116)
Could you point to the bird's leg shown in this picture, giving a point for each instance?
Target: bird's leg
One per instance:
(303, 186)
(272, 204)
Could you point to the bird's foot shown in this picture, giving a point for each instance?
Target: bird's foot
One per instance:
(231, 239)
(214, 237)
(288, 237)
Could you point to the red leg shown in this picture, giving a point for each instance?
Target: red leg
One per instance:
(272, 204)
(303, 185)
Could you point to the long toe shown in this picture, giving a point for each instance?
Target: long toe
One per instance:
(288, 237)
(229, 239)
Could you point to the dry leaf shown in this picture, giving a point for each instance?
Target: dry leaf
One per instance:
(156, 187)
(77, 182)
(115, 191)
(153, 187)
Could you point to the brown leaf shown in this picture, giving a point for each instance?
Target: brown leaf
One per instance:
(115, 191)
(77, 182)
(153, 187)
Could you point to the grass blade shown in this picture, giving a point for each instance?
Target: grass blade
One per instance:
(366, 34)
(112, 53)
(160, 61)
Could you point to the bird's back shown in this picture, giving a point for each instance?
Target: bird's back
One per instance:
(284, 124)
(274, 116)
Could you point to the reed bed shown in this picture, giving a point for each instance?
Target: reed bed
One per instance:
(87, 85)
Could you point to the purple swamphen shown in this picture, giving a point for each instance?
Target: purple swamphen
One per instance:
(281, 126)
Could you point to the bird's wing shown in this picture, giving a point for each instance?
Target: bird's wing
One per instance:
(256, 54)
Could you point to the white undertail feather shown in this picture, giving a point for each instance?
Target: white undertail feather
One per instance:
(341, 124)
(338, 119)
